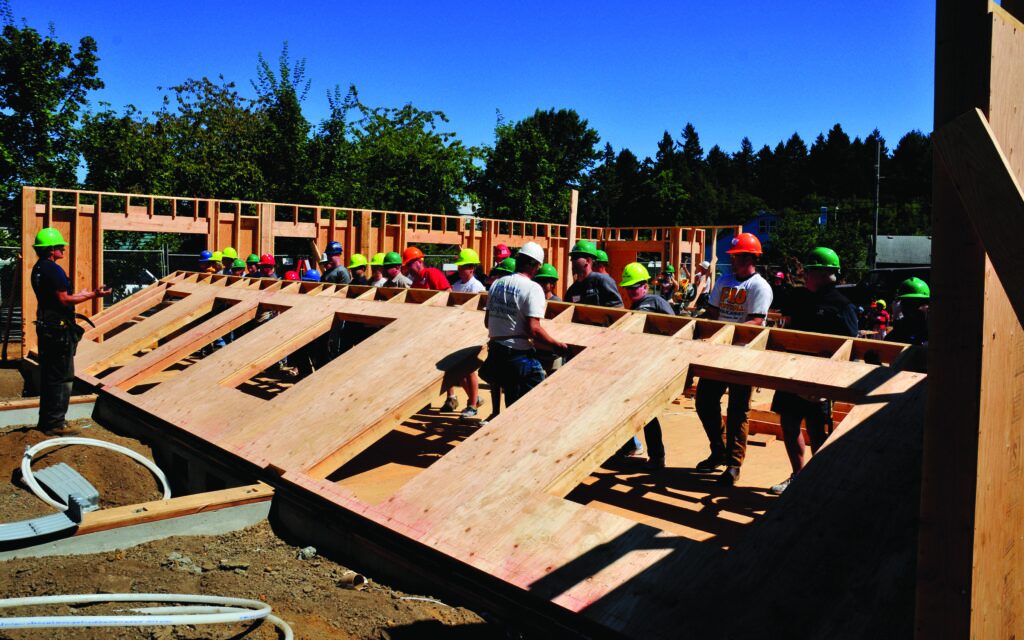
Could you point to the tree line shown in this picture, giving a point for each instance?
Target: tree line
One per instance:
(209, 139)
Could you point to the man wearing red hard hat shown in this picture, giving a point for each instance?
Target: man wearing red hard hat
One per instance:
(742, 296)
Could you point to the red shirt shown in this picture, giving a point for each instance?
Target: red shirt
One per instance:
(432, 278)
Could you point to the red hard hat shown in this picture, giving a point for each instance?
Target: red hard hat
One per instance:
(291, 275)
(746, 243)
(501, 252)
(410, 254)
(267, 259)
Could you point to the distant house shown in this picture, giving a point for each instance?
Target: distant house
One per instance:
(762, 225)
(904, 251)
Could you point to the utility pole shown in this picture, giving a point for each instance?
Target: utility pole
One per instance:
(878, 181)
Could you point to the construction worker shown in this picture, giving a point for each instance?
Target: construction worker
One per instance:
(252, 268)
(336, 272)
(227, 258)
(635, 278)
(914, 296)
(878, 319)
(667, 284)
(377, 278)
(423, 277)
(357, 267)
(206, 262)
(601, 262)
(514, 310)
(504, 268)
(590, 287)
(237, 267)
(467, 263)
(392, 264)
(325, 262)
(56, 329)
(267, 267)
(744, 297)
(818, 307)
(547, 278)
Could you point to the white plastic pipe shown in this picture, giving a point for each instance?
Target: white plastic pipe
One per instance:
(217, 610)
(26, 465)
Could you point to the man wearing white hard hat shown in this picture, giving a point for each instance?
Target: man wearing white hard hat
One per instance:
(515, 307)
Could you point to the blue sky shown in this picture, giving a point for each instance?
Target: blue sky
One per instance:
(739, 68)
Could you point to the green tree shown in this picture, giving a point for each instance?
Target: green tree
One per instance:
(44, 84)
(284, 139)
(125, 152)
(534, 164)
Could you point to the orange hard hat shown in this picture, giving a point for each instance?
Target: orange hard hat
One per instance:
(410, 254)
(746, 243)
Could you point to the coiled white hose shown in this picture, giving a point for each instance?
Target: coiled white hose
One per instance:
(26, 465)
(216, 610)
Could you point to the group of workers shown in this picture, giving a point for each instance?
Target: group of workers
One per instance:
(519, 287)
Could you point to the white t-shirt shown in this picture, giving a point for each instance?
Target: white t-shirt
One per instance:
(738, 299)
(512, 301)
(471, 286)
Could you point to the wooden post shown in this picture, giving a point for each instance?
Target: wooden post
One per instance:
(364, 235)
(570, 240)
(970, 562)
(29, 228)
(266, 229)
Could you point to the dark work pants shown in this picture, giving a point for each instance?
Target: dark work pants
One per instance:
(817, 416)
(728, 442)
(56, 375)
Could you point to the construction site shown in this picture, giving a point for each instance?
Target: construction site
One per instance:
(349, 503)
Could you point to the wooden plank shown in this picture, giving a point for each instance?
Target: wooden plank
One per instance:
(981, 175)
(844, 352)
(126, 516)
(723, 335)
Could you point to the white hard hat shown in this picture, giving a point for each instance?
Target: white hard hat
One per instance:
(533, 250)
(705, 264)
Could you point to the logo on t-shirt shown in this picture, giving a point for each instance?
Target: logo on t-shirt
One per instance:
(732, 299)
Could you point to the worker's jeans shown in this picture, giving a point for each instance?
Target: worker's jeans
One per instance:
(515, 372)
(56, 375)
(729, 441)
(652, 434)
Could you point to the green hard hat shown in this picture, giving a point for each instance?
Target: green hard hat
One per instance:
(508, 265)
(49, 237)
(822, 258)
(584, 247)
(913, 288)
(377, 260)
(601, 256)
(634, 274)
(391, 259)
(467, 257)
(252, 259)
(229, 252)
(546, 271)
(237, 264)
(670, 269)
(357, 260)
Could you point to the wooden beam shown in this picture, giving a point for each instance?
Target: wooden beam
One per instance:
(982, 177)
(844, 352)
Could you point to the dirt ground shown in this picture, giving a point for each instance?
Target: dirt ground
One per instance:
(254, 563)
(12, 384)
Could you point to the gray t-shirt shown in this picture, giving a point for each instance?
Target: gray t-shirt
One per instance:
(596, 289)
(399, 281)
(511, 302)
(337, 275)
(471, 286)
(738, 299)
(654, 304)
(380, 283)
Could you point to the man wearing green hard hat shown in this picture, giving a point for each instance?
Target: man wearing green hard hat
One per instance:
(601, 262)
(547, 278)
(467, 265)
(913, 294)
(377, 278)
(819, 307)
(392, 266)
(591, 287)
(56, 328)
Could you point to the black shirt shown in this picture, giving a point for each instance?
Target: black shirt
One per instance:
(47, 279)
(596, 289)
(359, 280)
(911, 328)
(655, 304)
(823, 311)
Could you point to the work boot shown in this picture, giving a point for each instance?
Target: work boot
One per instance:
(655, 463)
(451, 404)
(62, 431)
(711, 463)
(729, 476)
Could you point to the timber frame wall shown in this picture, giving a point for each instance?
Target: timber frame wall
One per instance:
(252, 227)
